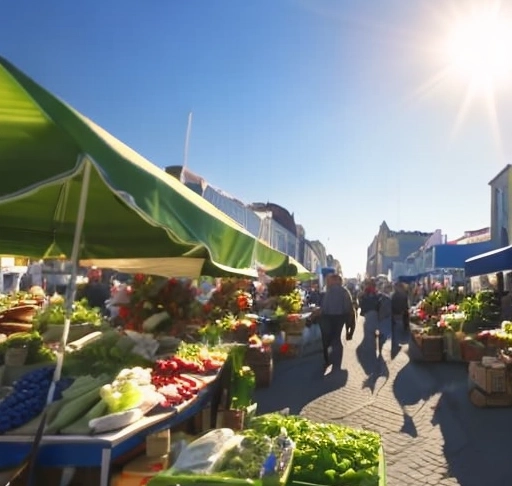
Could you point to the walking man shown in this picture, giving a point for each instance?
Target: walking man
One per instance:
(400, 306)
(337, 310)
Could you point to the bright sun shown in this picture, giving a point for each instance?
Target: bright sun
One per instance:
(479, 49)
(474, 53)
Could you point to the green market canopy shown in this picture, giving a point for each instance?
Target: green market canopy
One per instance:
(66, 183)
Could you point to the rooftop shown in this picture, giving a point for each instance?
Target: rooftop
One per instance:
(500, 173)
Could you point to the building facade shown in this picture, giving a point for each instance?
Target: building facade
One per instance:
(320, 252)
(390, 246)
(301, 242)
(313, 257)
(472, 236)
(500, 207)
(269, 222)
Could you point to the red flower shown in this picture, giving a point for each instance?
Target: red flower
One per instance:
(139, 277)
(207, 308)
(242, 302)
(284, 348)
(172, 282)
(124, 312)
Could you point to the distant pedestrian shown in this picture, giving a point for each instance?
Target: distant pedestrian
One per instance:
(95, 291)
(337, 311)
(400, 306)
(369, 299)
(384, 314)
(314, 297)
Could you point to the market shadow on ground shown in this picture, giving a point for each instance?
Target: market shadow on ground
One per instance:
(413, 385)
(476, 440)
(298, 382)
(373, 365)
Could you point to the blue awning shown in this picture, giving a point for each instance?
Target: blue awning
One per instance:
(407, 278)
(491, 262)
(455, 256)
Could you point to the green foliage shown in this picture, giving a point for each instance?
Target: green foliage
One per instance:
(56, 313)
(37, 352)
(482, 309)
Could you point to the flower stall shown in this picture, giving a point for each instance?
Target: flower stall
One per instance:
(446, 325)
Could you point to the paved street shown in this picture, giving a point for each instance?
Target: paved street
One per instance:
(432, 434)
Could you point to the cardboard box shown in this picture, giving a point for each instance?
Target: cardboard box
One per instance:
(481, 399)
(490, 380)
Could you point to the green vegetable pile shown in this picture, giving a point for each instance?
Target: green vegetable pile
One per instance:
(246, 460)
(108, 355)
(326, 454)
(37, 352)
(55, 313)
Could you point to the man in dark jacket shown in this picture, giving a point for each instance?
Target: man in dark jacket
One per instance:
(400, 305)
(337, 311)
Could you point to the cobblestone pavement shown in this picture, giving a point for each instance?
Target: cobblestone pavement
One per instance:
(432, 434)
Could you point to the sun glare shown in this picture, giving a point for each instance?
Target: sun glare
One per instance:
(473, 55)
(479, 49)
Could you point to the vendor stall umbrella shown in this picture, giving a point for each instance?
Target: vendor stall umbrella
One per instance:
(68, 185)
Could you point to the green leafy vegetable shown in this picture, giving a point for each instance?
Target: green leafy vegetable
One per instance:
(326, 454)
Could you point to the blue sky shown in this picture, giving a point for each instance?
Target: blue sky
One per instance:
(311, 104)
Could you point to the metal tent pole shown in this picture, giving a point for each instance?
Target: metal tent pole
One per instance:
(75, 253)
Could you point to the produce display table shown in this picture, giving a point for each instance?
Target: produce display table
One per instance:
(100, 450)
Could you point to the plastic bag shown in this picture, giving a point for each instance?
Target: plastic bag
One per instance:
(202, 455)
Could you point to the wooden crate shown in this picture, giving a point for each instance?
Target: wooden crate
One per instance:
(258, 356)
(487, 400)
(471, 351)
(293, 327)
(490, 380)
(263, 374)
(260, 360)
(452, 348)
(431, 348)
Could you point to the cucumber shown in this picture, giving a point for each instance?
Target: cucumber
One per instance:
(84, 387)
(72, 410)
(81, 426)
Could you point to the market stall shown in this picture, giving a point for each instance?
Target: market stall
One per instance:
(74, 451)
(447, 325)
(102, 397)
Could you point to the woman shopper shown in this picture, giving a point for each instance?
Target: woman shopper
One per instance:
(337, 309)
